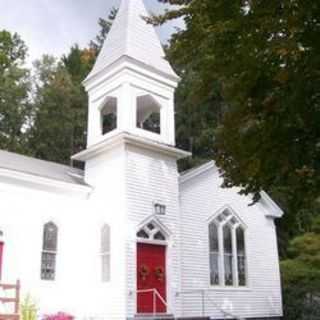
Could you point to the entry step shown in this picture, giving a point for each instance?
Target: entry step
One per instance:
(161, 316)
(151, 316)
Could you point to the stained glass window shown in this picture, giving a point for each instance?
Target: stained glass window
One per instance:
(49, 251)
(225, 259)
(241, 256)
(214, 254)
(228, 255)
(151, 232)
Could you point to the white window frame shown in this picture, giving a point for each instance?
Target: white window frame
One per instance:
(161, 108)
(221, 265)
(102, 108)
(50, 252)
(105, 253)
(151, 233)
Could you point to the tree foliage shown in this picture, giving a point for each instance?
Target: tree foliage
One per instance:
(105, 26)
(53, 130)
(301, 276)
(14, 92)
(61, 103)
(266, 57)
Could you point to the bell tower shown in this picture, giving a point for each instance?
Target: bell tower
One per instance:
(131, 159)
(131, 87)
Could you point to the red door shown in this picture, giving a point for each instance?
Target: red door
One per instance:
(1, 257)
(151, 274)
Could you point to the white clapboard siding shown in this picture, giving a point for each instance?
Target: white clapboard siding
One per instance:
(152, 177)
(77, 288)
(201, 197)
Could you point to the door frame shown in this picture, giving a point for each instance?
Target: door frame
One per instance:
(2, 244)
(167, 243)
(155, 243)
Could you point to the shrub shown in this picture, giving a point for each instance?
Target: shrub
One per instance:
(28, 309)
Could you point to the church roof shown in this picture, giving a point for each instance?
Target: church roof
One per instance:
(40, 168)
(130, 36)
(271, 207)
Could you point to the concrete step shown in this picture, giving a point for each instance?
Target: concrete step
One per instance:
(151, 316)
(162, 316)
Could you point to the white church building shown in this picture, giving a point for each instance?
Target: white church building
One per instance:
(129, 237)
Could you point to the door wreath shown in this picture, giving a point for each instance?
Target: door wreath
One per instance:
(144, 272)
(159, 272)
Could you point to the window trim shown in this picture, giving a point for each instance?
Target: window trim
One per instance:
(160, 107)
(240, 224)
(103, 254)
(101, 108)
(151, 233)
(52, 252)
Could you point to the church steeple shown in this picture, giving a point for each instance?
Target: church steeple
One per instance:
(131, 87)
(130, 36)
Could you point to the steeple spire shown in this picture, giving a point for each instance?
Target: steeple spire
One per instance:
(130, 36)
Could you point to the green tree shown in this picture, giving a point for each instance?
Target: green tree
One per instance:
(53, 130)
(301, 276)
(15, 106)
(196, 117)
(105, 27)
(61, 103)
(266, 57)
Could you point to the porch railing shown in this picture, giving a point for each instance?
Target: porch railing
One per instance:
(155, 295)
(15, 300)
(206, 300)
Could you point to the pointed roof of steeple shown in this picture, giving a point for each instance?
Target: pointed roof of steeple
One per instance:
(132, 37)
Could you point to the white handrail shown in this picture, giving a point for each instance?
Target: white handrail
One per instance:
(155, 293)
(204, 293)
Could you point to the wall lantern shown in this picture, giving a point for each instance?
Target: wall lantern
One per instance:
(159, 209)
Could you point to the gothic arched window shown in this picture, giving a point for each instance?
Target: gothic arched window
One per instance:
(227, 251)
(105, 253)
(109, 115)
(49, 251)
(148, 114)
(151, 231)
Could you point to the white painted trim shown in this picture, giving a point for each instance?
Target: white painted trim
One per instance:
(185, 177)
(152, 241)
(221, 265)
(46, 183)
(154, 219)
(273, 209)
(126, 62)
(127, 138)
(233, 212)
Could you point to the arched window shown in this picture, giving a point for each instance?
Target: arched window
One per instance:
(105, 253)
(227, 251)
(49, 251)
(148, 114)
(151, 231)
(109, 115)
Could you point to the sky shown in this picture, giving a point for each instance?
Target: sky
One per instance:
(53, 26)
